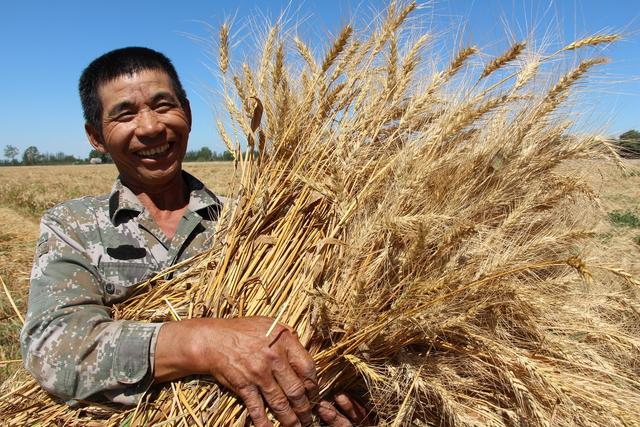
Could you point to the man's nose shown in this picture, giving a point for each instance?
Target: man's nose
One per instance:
(148, 124)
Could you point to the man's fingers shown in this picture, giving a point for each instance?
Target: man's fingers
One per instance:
(312, 389)
(351, 408)
(305, 368)
(330, 415)
(255, 406)
(295, 391)
(279, 404)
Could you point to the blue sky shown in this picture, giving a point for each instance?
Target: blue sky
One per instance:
(45, 45)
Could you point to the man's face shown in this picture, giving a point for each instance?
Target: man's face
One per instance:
(144, 128)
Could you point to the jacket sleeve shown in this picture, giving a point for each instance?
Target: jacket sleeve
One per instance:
(69, 341)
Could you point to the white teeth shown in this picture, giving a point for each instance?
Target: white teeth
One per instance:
(153, 151)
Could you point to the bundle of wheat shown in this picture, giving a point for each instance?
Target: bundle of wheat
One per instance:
(415, 231)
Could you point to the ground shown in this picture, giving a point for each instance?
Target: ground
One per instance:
(25, 192)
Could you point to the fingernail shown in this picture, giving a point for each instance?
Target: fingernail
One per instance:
(325, 411)
(341, 397)
(325, 405)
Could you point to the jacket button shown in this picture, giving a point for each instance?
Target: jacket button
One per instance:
(110, 288)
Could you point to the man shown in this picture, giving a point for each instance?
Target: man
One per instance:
(93, 249)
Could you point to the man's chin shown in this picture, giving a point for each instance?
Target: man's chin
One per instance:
(152, 181)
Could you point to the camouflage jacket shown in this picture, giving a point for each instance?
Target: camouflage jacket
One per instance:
(90, 253)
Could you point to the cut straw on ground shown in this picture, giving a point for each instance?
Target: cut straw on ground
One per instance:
(11, 301)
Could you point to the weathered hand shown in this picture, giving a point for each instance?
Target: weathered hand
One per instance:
(350, 412)
(275, 370)
(256, 367)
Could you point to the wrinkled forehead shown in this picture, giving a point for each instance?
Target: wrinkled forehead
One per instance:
(135, 86)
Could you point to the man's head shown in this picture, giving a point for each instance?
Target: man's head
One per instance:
(118, 63)
(137, 111)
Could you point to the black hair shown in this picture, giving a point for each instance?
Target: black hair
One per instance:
(117, 63)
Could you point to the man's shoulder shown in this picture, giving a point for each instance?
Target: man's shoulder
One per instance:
(71, 227)
(78, 209)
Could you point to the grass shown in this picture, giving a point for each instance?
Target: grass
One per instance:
(605, 237)
(624, 219)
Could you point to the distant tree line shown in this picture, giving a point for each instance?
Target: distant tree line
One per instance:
(206, 155)
(628, 144)
(32, 156)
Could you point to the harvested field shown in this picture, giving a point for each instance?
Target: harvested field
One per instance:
(33, 189)
(18, 235)
(618, 192)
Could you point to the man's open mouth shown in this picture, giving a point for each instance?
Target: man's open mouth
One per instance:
(154, 152)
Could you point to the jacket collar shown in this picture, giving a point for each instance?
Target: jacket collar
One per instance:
(122, 200)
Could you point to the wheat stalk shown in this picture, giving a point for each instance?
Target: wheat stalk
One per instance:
(594, 40)
(499, 62)
(223, 60)
(337, 47)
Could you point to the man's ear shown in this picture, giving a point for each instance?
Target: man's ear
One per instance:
(187, 110)
(95, 138)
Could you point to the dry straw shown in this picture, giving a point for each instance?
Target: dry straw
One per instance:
(423, 245)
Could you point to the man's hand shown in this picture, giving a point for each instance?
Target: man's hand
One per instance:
(348, 412)
(274, 369)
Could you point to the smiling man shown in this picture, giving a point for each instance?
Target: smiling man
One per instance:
(92, 250)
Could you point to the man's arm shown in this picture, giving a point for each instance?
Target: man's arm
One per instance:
(69, 341)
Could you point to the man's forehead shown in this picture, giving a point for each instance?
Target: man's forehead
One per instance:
(145, 83)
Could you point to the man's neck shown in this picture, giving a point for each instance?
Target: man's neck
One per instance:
(166, 203)
(169, 197)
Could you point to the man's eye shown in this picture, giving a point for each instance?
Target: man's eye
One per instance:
(164, 106)
(125, 116)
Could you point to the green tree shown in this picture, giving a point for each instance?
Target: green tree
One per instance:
(11, 152)
(205, 154)
(629, 144)
(631, 134)
(31, 155)
(190, 156)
